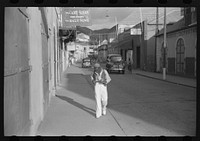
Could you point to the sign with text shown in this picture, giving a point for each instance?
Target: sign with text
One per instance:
(76, 16)
(136, 31)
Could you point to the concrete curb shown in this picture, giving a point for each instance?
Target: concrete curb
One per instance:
(165, 80)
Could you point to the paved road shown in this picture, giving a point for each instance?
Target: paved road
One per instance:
(146, 106)
(137, 106)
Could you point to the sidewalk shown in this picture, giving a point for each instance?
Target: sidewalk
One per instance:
(72, 110)
(189, 82)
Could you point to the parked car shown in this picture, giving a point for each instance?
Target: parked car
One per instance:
(115, 63)
(86, 62)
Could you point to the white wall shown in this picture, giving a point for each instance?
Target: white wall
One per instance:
(189, 36)
(52, 24)
(36, 76)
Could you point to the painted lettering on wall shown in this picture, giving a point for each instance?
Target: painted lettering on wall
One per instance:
(76, 16)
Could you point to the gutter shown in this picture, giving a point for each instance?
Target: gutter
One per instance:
(165, 80)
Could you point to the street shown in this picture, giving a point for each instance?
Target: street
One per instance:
(137, 106)
(48, 90)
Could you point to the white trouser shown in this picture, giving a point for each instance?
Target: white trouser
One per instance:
(101, 95)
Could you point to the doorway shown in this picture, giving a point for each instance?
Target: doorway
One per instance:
(180, 53)
(138, 56)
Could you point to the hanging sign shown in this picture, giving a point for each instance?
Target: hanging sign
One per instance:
(136, 31)
(76, 16)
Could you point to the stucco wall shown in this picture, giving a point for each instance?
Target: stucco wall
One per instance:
(151, 54)
(36, 87)
(52, 19)
(29, 58)
(16, 72)
(188, 35)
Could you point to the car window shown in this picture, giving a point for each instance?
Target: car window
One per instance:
(116, 58)
(114, 55)
(86, 60)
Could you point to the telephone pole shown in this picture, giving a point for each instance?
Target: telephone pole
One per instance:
(156, 33)
(164, 61)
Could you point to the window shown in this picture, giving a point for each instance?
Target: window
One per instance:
(180, 52)
(116, 58)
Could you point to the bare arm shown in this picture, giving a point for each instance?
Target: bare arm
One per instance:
(92, 78)
(108, 79)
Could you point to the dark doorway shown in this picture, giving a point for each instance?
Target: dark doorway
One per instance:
(138, 56)
(180, 59)
(125, 55)
(121, 52)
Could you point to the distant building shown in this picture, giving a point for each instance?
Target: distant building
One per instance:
(103, 51)
(131, 47)
(140, 48)
(82, 48)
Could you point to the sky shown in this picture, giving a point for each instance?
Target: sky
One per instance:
(107, 17)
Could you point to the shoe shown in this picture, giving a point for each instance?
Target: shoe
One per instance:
(104, 112)
(97, 116)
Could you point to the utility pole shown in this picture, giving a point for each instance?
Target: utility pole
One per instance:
(116, 28)
(156, 33)
(99, 40)
(164, 61)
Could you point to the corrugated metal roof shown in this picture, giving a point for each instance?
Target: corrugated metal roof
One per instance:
(175, 26)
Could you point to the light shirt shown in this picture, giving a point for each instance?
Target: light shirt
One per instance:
(99, 76)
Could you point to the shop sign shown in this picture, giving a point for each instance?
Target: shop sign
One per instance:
(76, 16)
(136, 31)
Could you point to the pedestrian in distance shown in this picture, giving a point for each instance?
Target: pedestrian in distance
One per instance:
(130, 65)
(70, 61)
(100, 79)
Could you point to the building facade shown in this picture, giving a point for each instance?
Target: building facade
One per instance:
(31, 67)
(152, 29)
(181, 46)
(180, 52)
(131, 47)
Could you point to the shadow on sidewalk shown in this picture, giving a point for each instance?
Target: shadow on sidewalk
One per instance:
(71, 101)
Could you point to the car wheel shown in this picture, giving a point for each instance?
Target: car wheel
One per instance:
(123, 72)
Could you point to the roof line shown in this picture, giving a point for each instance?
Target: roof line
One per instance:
(163, 15)
(183, 28)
